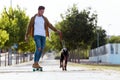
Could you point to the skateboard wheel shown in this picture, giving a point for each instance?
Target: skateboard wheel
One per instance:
(33, 70)
(40, 69)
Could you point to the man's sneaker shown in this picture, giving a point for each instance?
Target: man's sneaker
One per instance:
(36, 65)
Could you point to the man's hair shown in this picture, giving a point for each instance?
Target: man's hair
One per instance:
(41, 7)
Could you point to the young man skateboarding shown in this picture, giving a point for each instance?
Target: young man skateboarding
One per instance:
(38, 29)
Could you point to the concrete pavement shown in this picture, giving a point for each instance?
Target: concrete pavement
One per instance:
(51, 71)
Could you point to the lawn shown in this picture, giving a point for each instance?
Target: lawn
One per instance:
(96, 66)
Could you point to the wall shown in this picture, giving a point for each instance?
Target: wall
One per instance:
(109, 53)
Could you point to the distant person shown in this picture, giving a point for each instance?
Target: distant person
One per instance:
(38, 28)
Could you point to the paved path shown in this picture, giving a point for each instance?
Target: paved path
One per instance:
(53, 72)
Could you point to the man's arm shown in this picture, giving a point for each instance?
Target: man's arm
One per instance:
(50, 25)
(28, 29)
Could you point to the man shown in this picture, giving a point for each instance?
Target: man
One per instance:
(38, 29)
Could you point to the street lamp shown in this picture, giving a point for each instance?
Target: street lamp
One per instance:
(10, 3)
(97, 39)
(97, 46)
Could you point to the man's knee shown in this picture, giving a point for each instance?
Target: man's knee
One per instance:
(39, 49)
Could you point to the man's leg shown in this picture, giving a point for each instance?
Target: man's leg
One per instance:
(43, 41)
(41, 48)
(40, 44)
(37, 52)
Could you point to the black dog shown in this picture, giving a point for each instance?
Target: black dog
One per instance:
(64, 58)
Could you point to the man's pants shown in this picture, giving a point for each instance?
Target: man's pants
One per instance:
(40, 44)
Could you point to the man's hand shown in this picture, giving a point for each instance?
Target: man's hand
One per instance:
(58, 31)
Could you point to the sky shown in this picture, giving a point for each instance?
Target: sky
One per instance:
(108, 10)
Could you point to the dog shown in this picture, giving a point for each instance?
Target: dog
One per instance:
(64, 59)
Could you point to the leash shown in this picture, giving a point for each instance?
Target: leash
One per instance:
(62, 41)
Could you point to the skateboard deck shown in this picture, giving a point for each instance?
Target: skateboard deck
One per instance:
(37, 69)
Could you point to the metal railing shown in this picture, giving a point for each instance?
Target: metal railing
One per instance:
(78, 55)
(12, 57)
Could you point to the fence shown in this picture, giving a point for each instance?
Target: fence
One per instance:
(109, 53)
(78, 55)
(12, 57)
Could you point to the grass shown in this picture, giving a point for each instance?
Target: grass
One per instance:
(97, 66)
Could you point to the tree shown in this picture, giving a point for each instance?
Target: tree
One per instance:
(114, 39)
(27, 46)
(4, 36)
(77, 28)
(100, 38)
(55, 42)
(14, 22)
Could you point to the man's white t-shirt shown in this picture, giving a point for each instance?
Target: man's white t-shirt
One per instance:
(39, 28)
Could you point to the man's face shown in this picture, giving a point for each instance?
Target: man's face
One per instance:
(40, 12)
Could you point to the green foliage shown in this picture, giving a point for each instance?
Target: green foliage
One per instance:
(77, 28)
(27, 46)
(114, 39)
(55, 42)
(4, 36)
(79, 31)
(101, 35)
(14, 21)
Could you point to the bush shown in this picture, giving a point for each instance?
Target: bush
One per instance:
(57, 57)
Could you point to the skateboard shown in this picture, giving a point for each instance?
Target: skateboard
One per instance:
(37, 69)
